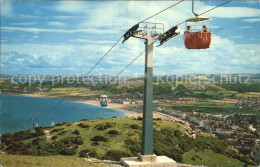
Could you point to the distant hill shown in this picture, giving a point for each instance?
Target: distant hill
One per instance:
(114, 138)
(202, 86)
(8, 86)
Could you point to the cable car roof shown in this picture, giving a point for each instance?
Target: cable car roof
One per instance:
(197, 19)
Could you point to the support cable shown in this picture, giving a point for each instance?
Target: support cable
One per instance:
(137, 57)
(73, 86)
(208, 10)
(70, 109)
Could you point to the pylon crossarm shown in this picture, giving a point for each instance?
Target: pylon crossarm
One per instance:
(146, 36)
(133, 30)
(144, 29)
(168, 35)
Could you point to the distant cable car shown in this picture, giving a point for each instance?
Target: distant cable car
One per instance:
(103, 101)
(194, 38)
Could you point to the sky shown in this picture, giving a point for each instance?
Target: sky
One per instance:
(69, 37)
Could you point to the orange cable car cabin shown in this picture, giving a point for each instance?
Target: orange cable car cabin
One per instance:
(199, 39)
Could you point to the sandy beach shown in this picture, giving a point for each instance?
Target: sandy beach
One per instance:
(132, 110)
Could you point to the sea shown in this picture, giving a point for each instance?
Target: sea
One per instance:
(19, 113)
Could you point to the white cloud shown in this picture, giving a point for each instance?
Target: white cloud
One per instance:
(24, 24)
(223, 56)
(236, 37)
(136, 11)
(253, 39)
(71, 7)
(168, 59)
(103, 42)
(45, 58)
(37, 30)
(25, 16)
(110, 18)
(232, 12)
(214, 27)
(56, 24)
(252, 20)
(6, 8)
(245, 27)
(63, 17)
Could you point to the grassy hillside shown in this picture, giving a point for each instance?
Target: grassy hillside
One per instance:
(76, 92)
(209, 158)
(8, 86)
(120, 137)
(50, 161)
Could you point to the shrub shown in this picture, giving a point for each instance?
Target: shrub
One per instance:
(133, 145)
(78, 141)
(57, 130)
(135, 126)
(72, 141)
(6, 136)
(58, 144)
(76, 132)
(104, 126)
(83, 125)
(36, 141)
(39, 131)
(54, 137)
(68, 151)
(115, 155)
(99, 138)
(29, 151)
(131, 134)
(2, 146)
(7, 139)
(19, 136)
(88, 153)
(62, 133)
(113, 132)
(177, 133)
(60, 124)
(84, 120)
(16, 148)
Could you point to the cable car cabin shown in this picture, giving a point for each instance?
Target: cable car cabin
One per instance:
(103, 101)
(197, 39)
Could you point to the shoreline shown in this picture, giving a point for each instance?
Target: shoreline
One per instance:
(131, 110)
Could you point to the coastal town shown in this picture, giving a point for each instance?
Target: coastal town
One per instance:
(201, 108)
(241, 131)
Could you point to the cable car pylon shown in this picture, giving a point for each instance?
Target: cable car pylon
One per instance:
(150, 32)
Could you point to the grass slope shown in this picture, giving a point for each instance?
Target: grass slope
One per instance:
(120, 137)
(209, 158)
(50, 161)
(77, 92)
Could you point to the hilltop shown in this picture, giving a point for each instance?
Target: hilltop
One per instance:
(113, 138)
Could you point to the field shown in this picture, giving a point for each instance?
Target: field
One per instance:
(204, 107)
(248, 112)
(248, 94)
(114, 138)
(73, 92)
